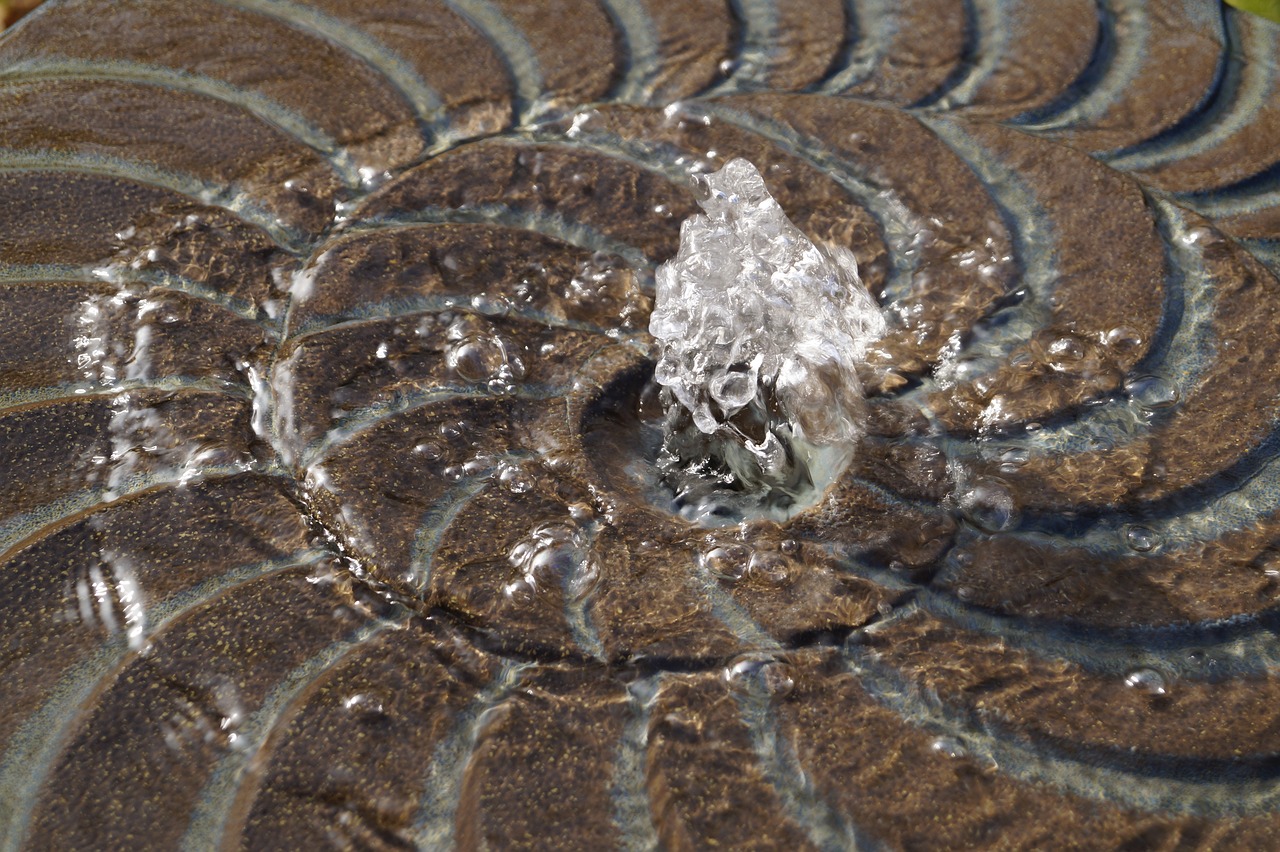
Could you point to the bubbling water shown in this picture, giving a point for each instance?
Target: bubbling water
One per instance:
(761, 332)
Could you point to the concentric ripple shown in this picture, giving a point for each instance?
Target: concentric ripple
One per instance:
(323, 514)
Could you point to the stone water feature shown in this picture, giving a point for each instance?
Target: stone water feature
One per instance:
(330, 502)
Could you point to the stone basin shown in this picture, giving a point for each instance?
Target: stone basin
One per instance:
(323, 385)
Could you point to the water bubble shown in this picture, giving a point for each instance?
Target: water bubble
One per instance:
(989, 506)
(476, 358)
(728, 562)
(948, 747)
(769, 565)
(552, 552)
(365, 707)
(515, 479)
(519, 591)
(1141, 539)
(454, 430)
(491, 305)
(1152, 392)
(762, 674)
(1013, 458)
(481, 464)
(1065, 349)
(429, 451)
(1123, 337)
(1148, 680)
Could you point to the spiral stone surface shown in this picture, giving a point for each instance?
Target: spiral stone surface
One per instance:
(321, 400)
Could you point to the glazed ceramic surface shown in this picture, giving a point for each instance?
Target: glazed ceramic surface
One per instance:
(324, 518)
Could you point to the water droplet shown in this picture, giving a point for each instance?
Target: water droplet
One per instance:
(480, 465)
(491, 305)
(1152, 392)
(1148, 680)
(454, 430)
(1141, 539)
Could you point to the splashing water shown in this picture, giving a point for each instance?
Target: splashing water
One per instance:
(761, 332)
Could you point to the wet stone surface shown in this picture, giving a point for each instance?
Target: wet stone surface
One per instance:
(329, 510)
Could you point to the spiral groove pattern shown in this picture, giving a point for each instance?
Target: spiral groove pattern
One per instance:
(325, 340)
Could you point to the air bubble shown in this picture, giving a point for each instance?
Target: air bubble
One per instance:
(515, 479)
(948, 747)
(728, 562)
(761, 674)
(476, 359)
(769, 566)
(990, 507)
(1152, 392)
(364, 707)
(1141, 539)
(553, 552)
(1124, 337)
(429, 451)
(1148, 680)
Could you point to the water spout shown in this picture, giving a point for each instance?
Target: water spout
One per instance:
(761, 332)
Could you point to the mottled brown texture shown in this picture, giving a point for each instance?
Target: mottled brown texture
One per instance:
(560, 727)
(187, 135)
(897, 786)
(1015, 692)
(382, 709)
(448, 52)
(704, 777)
(239, 522)
(1201, 581)
(209, 665)
(357, 107)
(1110, 274)
(1154, 88)
(549, 180)
(923, 43)
(1032, 69)
(330, 511)
(694, 41)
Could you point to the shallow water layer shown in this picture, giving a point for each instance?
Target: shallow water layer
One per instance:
(325, 413)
